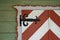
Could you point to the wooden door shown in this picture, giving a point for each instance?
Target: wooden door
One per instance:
(48, 28)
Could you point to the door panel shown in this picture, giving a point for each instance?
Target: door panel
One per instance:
(48, 28)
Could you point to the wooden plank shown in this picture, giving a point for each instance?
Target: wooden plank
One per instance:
(7, 36)
(7, 26)
(7, 16)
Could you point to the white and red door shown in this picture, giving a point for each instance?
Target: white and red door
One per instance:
(48, 28)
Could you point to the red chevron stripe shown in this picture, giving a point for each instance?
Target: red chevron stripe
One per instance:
(54, 17)
(26, 12)
(33, 27)
(46, 36)
(49, 36)
(52, 36)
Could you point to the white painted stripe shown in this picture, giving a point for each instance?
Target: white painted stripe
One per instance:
(40, 32)
(54, 28)
(19, 28)
(36, 7)
(57, 12)
(32, 15)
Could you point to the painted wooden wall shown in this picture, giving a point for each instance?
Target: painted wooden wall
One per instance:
(8, 15)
